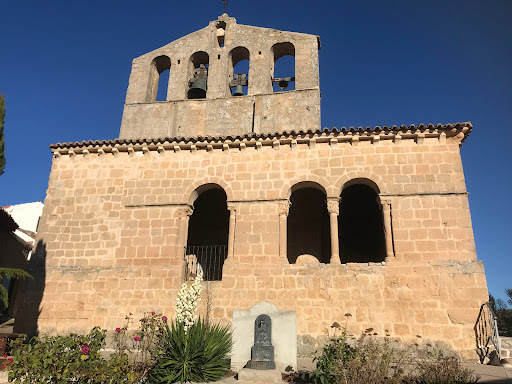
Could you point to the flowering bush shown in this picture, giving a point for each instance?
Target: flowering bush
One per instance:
(52, 359)
(76, 358)
(187, 300)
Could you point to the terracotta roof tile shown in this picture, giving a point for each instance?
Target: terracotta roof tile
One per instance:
(394, 129)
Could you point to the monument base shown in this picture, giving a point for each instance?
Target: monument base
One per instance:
(259, 376)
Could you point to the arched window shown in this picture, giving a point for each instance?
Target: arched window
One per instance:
(208, 233)
(220, 32)
(198, 75)
(239, 58)
(283, 69)
(361, 228)
(158, 79)
(308, 224)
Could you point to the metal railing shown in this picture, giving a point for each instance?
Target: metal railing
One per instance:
(486, 332)
(207, 258)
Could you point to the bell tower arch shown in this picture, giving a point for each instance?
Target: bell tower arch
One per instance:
(207, 98)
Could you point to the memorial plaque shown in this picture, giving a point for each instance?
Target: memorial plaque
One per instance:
(262, 352)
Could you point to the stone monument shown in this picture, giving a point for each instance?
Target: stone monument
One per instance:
(262, 352)
(264, 334)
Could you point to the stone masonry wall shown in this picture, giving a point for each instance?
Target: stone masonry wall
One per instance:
(260, 111)
(109, 238)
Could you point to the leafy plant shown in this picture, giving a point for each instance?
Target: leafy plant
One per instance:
(76, 358)
(13, 273)
(436, 366)
(52, 359)
(373, 359)
(336, 351)
(199, 354)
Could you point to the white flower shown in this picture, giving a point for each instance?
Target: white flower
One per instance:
(186, 302)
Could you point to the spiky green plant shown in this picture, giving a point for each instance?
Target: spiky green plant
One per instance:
(13, 273)
(199, 355)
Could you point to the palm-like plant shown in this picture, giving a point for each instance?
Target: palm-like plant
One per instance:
(201, 354)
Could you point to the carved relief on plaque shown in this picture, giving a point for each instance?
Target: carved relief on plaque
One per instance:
(262, 352)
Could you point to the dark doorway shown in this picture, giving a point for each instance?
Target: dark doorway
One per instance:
(208, 235)
(361, 229)
(308, 230)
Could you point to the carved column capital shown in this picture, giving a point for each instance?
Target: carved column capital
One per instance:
(333, 205)
(284, 207)
(232, 208)
(185, 212)
(385, 203)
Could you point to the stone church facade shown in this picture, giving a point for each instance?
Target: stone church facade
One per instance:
(373, 222)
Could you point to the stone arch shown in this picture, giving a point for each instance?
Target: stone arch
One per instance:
(208, 232)
(361, 222)
(196, 188)
(157, 66)
(238, 55)
(307, 229)
(313, 181)
(198, 75)
(368, 178)
(288, 70)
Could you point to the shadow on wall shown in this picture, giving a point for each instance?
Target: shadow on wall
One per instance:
(27, 312)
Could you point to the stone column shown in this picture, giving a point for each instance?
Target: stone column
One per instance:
(231, 232)
(283, 210)
(184, 215)
(388, 233)
(333, 206)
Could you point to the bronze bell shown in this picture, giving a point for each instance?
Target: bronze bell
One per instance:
(198, 89)
(239, 90)
(283, 84)
(238, 81)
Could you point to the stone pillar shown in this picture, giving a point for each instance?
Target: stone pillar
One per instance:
(283, 209)
(184, 215)
(333, 206)
(231, 232)
(388, 233)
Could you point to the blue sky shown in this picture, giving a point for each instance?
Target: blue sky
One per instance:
(64, 68)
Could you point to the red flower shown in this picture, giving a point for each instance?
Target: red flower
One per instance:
(85, 349)
(118, 329)
(10, 359)
(164, 319)
(5, 355)
(136, 338)
(152, 313)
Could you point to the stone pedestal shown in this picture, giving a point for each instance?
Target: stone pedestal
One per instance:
(247, 375)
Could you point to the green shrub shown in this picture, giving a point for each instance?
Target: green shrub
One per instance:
(59, 359)
(336, 351)
(201, 354)
(435, 365)
(76, 358)
(370, 359)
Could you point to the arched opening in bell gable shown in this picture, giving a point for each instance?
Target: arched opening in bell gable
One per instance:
(308, 224)
(283, 67)
(360, 223)
(159, 79)
(220, 33)
(207, 238)
(239, 59)
(198, 75)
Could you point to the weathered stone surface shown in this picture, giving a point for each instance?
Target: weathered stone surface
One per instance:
(260, 111)
(115, 220)
(246, 375)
